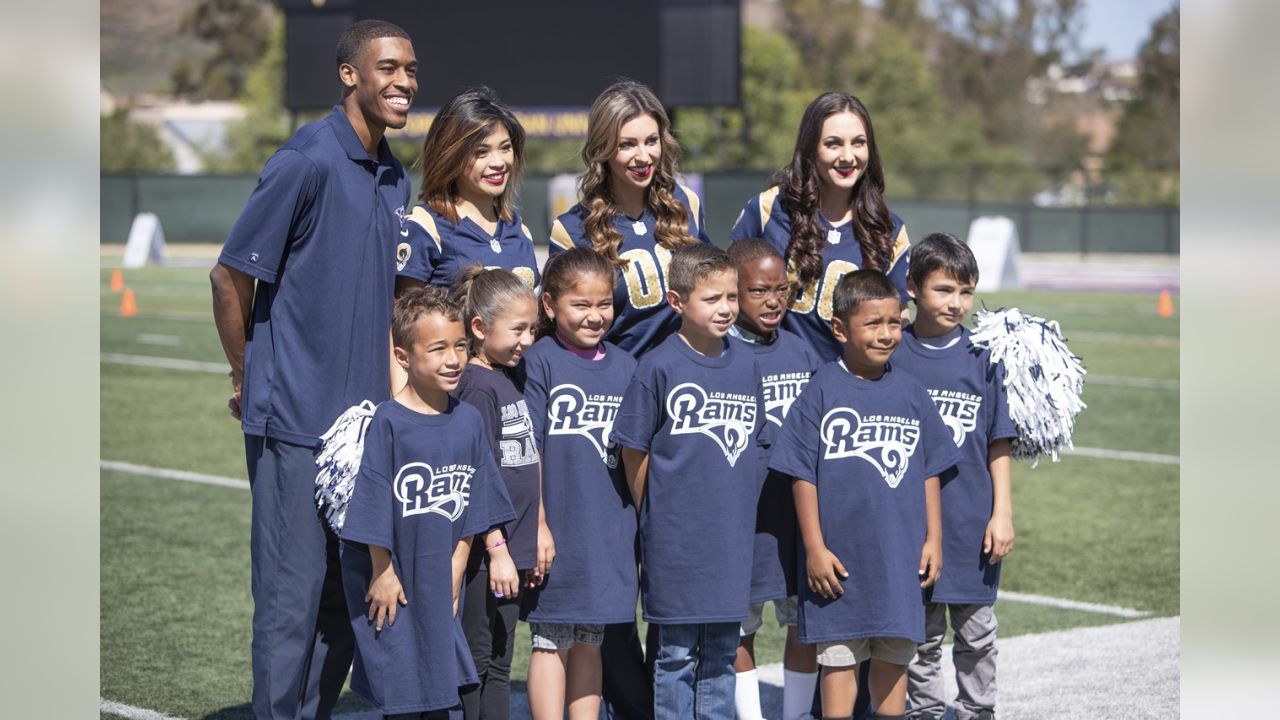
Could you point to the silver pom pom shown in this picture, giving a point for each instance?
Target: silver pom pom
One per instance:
(1043, 379)
(342, 446)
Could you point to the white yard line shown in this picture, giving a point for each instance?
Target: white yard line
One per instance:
(1133, 382)
(1105, 454)
(165, 363)
(168, 474)
(1065, 604)
(112, 707)
(157, 339)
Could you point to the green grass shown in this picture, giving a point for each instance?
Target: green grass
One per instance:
(175, 604)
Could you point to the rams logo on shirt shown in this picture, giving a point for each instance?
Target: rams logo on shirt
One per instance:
(885, 441)
(727, 418)
(959, 410)
(517, 445)
(403, 251)
(780, 390)
(423, 489)
(570, 411)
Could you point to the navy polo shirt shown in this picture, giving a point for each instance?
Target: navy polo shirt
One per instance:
(320, 233)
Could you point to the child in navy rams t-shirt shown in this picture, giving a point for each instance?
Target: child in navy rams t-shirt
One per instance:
(865, 446)
(574, 382)
(499, 312)
(689, 425)
(427, 484)
(977, 512)
(785, 362)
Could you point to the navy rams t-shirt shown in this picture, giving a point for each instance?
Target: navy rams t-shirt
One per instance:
(868, 446)
(435, 250)
(573, 402)
(642, 319)
(968, 390)
(785, 366)
(425, 483)
(700, 420)
(510, 432)
(810, 312)
(319, 233)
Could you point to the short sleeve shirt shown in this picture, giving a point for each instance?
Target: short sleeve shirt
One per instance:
(868, 446)
(573, 402)
(425, 483)
(319, 233)
(699, 420)
(642, 319)
(509, 430)
(968, 390)
(785, 366)
(810, 312)
(435, 250)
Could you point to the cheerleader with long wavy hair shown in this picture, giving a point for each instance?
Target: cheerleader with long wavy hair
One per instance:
(825, 211)
(632, 210)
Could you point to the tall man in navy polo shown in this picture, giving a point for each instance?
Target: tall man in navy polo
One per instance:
(319, 236)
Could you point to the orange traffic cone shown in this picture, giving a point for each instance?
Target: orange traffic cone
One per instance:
(1164, 306)
(128, 304)
(117, 280)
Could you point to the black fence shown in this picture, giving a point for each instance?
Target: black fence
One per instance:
(202, 208)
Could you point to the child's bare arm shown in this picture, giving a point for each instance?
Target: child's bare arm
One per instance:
(504, 580)
(385, 593)
(931, 553)
(460, 555)
(999, 536)
(636, 465)
(822, 568)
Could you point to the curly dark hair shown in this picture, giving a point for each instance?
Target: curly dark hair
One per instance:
(800, 193)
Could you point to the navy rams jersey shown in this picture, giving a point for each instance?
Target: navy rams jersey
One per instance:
(641, 317)
(810, 313)
(434, 250)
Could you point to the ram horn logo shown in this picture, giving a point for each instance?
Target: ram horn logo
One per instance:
(887, 445)
(569, 412)
(728, 422)
(421, 489)
(403, 251)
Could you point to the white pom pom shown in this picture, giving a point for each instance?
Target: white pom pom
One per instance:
(342, 446)
(1043, 380)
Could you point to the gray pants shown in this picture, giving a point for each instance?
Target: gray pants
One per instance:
(974, 655)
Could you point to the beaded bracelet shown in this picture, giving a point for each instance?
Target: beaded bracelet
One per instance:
(495, 546)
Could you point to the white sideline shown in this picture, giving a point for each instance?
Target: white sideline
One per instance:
(112, 707)
(154, 361)
(174, 474)
(1106, 454)
(1131, 381)
(1066, 604)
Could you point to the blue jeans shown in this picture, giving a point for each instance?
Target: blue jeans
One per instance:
(693, 676)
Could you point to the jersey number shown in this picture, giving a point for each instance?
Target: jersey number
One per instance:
(824, 290)
(644, 277)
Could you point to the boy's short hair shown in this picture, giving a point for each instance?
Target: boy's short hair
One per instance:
(692, 263)
(413, 305)
(945, 252)
(858, 287)
(358, 34)
(749, 250)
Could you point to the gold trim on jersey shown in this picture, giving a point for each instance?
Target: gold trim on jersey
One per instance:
(766, 205)
(525, 229)
(694, 203)
(427, 222)
(901, 244)
(560, 236)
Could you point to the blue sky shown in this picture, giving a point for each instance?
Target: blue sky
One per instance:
(1120, 26)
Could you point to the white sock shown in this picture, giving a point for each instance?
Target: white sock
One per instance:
(797, 693)
(746, 696)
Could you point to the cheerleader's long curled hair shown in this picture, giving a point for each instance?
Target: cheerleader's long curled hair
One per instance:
(612, 109)
(800, 190)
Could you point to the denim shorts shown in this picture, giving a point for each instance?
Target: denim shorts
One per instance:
(562, 636)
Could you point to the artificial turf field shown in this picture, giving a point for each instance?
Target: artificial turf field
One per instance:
(174, 597)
